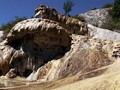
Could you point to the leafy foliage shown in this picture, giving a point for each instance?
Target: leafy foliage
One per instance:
(108, 24)
(68, 6)
(113, 22)
(111, 25)
(81, 18)
(7, 27)
(116, 10)
(108, 5)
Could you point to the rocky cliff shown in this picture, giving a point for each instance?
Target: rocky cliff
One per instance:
(53, 47)
(96, 17)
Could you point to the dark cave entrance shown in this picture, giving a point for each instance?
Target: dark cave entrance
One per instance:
(39, 49)
(27, 72)
(16, 43)
(1, 72)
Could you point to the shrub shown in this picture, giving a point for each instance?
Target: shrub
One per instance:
(108, 24)
(108, 5)
(7, 27)
(81, 18)
(111, 24)
(116, 9)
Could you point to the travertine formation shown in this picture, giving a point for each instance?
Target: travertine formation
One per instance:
(73, 25)
(53, 46)
(6, 53)
(116, 50)
(35, 42)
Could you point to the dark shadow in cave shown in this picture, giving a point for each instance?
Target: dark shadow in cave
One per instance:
(16, 44)
(1, 72)
(27, 72)
(38, 53)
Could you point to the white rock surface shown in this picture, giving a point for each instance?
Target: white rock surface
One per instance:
(95, 17)
(1, 34)
(103, 34)
(33, 75)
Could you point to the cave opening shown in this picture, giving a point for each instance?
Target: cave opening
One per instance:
(1, 72)
(27, 72)
(36, 51)
(16, 43)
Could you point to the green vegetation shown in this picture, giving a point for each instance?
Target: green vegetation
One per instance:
(111, 25)
(113, 21)
(68, 6)
(108, 5)
(108, 24)
(81, 18)
(116, 10)
(7, 27)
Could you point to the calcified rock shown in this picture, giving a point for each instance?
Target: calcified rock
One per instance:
(116, 50)
(84, 56)
(11, 73)
(45, 49)
(1, 35)
(6, 53)
(71, 24)
(103, 34)
(34, 75)
(36, 41)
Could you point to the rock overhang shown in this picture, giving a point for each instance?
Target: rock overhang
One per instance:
(37, 41)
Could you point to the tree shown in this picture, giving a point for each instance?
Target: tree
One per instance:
(116, 9)
(68, 6)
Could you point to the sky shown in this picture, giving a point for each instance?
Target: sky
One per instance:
(11, 8)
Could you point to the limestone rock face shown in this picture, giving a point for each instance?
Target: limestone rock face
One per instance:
(85, 56)
(36, 41)
(6, 53)
(11, 73)
(72, 25)
(103, 34)
(96, 17)
(116, 50)
(1, 35)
